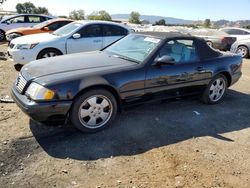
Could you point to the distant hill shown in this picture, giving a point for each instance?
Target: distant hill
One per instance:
(153, 19)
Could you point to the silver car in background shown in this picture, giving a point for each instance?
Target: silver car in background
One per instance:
(241, 47)
(215, 38)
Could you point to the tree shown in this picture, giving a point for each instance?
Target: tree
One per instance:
(41, 10)
(160, 22)
(100, 15)
(207, 23)
(77, 15)
(26, 7)
(30, 8)
(135, 17)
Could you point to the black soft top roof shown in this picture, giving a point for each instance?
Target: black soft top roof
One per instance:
(204, 51)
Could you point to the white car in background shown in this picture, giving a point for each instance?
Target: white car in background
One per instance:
(80, 36)
(239, 33)
(20, 20)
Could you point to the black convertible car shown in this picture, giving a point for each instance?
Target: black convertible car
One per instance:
(89, 88)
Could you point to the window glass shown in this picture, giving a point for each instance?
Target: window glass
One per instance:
(134, 47)
(91, 31)
(236, 32)
(180, 50)
(112, 30)
(68, 29)
(56, 25)
(34, 19)
(19, 19)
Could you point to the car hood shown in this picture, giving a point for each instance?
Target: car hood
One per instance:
(36, 38)
(20, 30)
(73, 64)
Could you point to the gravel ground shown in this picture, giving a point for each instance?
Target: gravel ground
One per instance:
(178, 143)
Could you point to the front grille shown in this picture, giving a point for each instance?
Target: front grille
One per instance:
(20, 83)
(11, 45)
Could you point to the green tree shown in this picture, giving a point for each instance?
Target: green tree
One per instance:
(41, 10)
(207, 23)
(160, 22)
(100, 15)
(30, 8)
(135, 17)
(77, 15)
(26, 7)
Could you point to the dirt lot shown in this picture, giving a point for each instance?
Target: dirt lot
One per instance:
(179, 143)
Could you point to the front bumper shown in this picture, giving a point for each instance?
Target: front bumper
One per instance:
(22, 56)
(43, 111)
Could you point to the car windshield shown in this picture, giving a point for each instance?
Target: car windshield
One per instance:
(40, 25)
(134, 47)
(67, 29)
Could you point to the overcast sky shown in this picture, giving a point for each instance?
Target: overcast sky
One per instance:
(185, 9)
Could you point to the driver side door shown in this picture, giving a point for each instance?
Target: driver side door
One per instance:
(91, 39)
(180, 78)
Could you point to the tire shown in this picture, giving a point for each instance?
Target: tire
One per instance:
(93, 111)
(243, 51)
(2, 35)
(48, 53)
(215, 90)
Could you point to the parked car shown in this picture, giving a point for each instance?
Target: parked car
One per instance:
(81, 36)
(239, 33)
(44, 27)
(89, 88)
(20, 20)
(241, 47)
(215, 38)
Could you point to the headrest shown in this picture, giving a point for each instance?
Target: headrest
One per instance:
(177, 48)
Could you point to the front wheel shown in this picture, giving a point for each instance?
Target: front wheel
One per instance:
(93, 110)
(48, 53)
(215, 90)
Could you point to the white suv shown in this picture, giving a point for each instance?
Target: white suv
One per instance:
(80, 36)
(20, 20)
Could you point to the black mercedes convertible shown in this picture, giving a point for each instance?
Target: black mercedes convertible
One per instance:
(90, 88)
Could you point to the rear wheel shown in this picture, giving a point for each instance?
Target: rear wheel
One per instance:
(48, 53)
(243, 51)
(2, 35)
(215, 90)
(94, 110)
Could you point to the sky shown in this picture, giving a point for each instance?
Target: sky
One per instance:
(185, 9)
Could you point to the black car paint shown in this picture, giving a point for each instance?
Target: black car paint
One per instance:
(128, 81)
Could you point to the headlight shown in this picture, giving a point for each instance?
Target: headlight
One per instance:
(38, 92)
(25, 46)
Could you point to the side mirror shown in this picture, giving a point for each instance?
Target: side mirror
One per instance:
(8, 22)
(165, 60)
(45, 29)
(76, 36)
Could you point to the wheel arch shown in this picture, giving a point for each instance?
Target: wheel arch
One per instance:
(49, 48)
(228, 77)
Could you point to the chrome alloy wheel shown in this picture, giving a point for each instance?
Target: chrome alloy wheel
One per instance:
(95, 111)
(49, 54)
(242, 50)
(217, 89)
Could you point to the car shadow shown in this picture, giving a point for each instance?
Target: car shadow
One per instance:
(148, 126)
